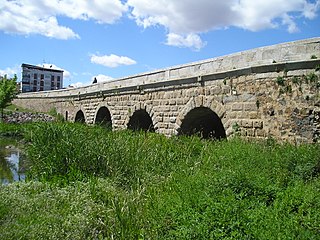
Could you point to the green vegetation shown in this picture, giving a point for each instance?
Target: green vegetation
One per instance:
(13, 130)
(8, 90)
(58, 117)
(89, 183)
(225, 81)
(296, 80)
(280, 81)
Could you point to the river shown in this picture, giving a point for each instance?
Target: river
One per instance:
(12, 161)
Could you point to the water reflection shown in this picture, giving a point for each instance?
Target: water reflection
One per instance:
(11, 161)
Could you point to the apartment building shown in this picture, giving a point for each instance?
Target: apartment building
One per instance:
(35, 78)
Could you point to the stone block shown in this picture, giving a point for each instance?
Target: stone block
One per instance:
(199, 101)
(260, 133)
(180, 102)
(251, 106)
(258, 124)
(172, 102)
(230, 99)
(231, 115)
(116, 117)
(174, 108)
(226, 89)
(237, 107)
(215, 90)
(253, 115)
(246, 123)
(172, 119)
(250, 132)
(159, 119)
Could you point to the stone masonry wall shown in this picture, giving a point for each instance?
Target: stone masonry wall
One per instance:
(267, 92)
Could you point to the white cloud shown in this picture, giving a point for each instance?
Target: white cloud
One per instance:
(112, 60)
(103, 78)
(40, 17)
(310, 9)
(100, 78)
(77, 84)
(190, 41)
(288, 20)
(185, 20)
(66, 74)
(10, 72)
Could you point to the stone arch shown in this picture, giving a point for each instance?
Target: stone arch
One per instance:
(103, 117)
(141, 117)
(80, 118)
(202, 116)
(205, 123)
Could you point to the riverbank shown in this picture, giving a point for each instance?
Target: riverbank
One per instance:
(98, 184)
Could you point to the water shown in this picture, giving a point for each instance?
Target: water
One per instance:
(11, 161)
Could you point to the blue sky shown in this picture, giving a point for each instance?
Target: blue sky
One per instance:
(110, 39)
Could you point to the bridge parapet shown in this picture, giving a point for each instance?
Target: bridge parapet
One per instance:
(261, 59)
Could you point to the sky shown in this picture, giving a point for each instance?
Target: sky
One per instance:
(110, 39)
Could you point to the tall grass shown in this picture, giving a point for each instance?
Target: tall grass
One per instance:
(127, 185)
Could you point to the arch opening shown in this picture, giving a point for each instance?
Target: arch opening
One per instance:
(80, 117)
(141, 120)
(103, 118)
(203, 122)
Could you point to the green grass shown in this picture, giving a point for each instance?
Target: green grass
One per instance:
(89, 183)
(12, 130)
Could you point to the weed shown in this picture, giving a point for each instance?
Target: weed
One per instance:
(312, 77)
(314, 56)
(280, 81)
(58, 117)
(288, 89)
(296, 80)
(236, 128)
(225, 81)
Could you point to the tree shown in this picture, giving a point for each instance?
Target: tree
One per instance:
(8, 91)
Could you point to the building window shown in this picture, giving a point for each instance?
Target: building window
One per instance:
(34, 89)
(35, 76)
(42, 83)
(58, 82)
(42, 76)
(26, 80)
(35, 82)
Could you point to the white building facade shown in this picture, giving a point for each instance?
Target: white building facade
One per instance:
(35, 78)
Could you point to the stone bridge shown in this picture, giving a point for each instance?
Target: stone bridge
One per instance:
(271, 91)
